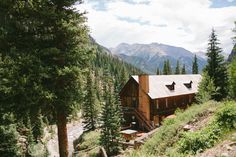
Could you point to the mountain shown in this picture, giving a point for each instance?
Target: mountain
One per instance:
(105, 63)
(148, 57)
(232, 54)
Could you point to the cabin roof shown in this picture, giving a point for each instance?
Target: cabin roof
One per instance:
(158, 89)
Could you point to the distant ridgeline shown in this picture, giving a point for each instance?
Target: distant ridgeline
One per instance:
(149, 57)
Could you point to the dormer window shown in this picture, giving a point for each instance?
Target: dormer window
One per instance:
(171, 86)
(188, 85)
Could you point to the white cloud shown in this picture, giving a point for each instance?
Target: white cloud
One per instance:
(185, 23)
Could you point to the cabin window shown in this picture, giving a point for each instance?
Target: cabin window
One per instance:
(188, 85)
(171, 86)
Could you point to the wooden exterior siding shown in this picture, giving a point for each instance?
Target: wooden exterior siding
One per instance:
(129, 94)
(163, 107)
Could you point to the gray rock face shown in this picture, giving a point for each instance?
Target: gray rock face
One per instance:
(148, 57)
(232, 54)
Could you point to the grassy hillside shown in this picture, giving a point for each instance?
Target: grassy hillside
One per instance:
(209, 124)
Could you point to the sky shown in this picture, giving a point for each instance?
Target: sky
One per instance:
(182, 23)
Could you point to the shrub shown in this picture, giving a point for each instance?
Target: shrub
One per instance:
(169, 132)
(194, 142)
(37, 150)
(8, 145)
(226, 116)
(224, 120)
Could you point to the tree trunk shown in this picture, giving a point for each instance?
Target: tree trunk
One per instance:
(62, 134)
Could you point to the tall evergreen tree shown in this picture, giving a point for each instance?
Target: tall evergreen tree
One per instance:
(110, 129)
(233, 78)
(216, 67)
(177, 68)
(89, 106)
(47, 60)
(165, 69)
(158, 72)
(195, 65)
(169, 70)
(206, 89)
(183, 71)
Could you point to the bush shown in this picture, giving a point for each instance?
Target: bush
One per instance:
(194, 142)
(169, 133)
(226, 116)
(87, 140)
(8, 145)
(224, 120)
(37, 150)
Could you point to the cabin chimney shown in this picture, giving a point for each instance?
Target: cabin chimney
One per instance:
(144, 82)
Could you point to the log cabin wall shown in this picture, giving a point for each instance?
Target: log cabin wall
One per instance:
(163, 107)
(129, 94)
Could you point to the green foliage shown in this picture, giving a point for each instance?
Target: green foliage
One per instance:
(216, 67)
(89, 106)
(195, 65)
(37, 150)
(170, 131)
(158, 72)
(183, 71)
(88, 140)
(206, 89)
(232, 73)
(177, 68)
(167, 68)
(37, 125)
(194, 142)
(44, 47)
(224, 120)
(226, 116)
(9, 138)
(111, 122)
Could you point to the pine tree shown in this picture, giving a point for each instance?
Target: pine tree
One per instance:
(233, 78)
(37, 126)
(195, 65)
(158, 72)
(9, 138)
(216, 67)
(165, 69)
(177, 69)
(46, 62)
(110, 129)
(206, 89)
(89, 106)
(183, 71)
(169, 70)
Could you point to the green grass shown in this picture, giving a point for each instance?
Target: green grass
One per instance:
(89, 139)
(170, 140)
(87, 144)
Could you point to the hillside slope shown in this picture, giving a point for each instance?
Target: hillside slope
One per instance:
(195, 132)
(148, 57)
(232, 54)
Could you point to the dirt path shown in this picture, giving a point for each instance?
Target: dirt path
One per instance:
(74, 130)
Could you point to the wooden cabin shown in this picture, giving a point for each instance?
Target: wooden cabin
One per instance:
(148, 99)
